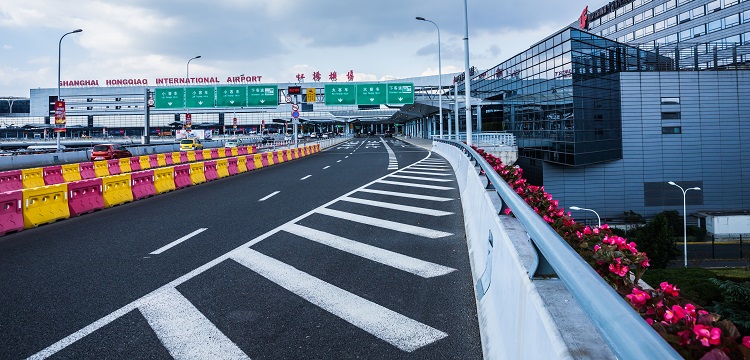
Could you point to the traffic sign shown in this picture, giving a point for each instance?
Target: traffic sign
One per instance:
(371, 94)
(295, 114)
(400, 93)
(200, 97)
(310, 95)
(340, 94)
(295, 107)
(150, 102)
(231, 96)
(263, 95)
(188, 120)
(169, 98)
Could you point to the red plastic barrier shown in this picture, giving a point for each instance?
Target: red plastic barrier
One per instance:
(168, 159)
(198, 155)
(85, 196)
(286, 155)
(11, 180)
(232, 166)
(142, 184)
(183, 157)
(215, 153)
(87, 170)
(135, 163)
(114, 166)
(153, 160)
(182, 176)
(264, 159)
(11, 214)
(52, 175)
(209, 169)
(276, 158)
(250, 162)
(242, 150)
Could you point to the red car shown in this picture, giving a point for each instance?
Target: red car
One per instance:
(109, 151)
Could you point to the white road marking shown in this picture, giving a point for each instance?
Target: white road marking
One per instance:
(184, 331)
(338, 161)
(346, 156)
(396, 329)
(386, 224)
(387, 205)
(434, 187)
(177, 242)
(424, 173)
(326, 167)
(431, 168)
(406, 195)
(419, 178)
(268, 196)
(305, 177)
(409, 264)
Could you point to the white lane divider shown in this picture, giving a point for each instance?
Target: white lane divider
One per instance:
(177, 242)
(396, 329)
(386, 224)
(268, 196)
(338, 161)
(184, 330)
(305, 177)
(392, 206)
(326, 167)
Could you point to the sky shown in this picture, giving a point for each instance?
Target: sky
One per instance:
(275, 39)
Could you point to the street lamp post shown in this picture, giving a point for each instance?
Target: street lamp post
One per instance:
(440, 75)
(684, 216)
(467, 78)
(59, 57)
(187, 68)
(598, 219)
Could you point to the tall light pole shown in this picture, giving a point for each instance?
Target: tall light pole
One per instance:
(467, 79)
(187, 68)
(440, 76)
(598, 219)
(684, 216)
(59, 57)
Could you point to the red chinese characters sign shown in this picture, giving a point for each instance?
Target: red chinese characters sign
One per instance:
(59, 116)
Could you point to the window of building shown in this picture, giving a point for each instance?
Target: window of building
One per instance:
(714, 26)
(660, 25)
(732, 20)
(671, 21)
(639, 33)
(670, 115)
(746, 17)
(637, 18)
(699, 30)
(670, 101)
(671, 4)
(667, 130)
(658, 9)
(671, 39)
(713, 6)
(684, 17)
(649, 29)
(680, 2)
(628, 22)
(699, 11)
(728, 3)
(686, 35)
(648, 14)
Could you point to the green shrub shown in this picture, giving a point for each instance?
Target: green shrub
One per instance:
(697, 232)
(655, 239)
(735, 303)
(694, 283)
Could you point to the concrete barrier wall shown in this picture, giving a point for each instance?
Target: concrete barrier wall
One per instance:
(519, 317)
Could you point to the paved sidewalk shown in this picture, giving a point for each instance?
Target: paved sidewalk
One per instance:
(425, 143)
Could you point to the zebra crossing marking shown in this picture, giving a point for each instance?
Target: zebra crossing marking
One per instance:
(392, 206)
(387, 224)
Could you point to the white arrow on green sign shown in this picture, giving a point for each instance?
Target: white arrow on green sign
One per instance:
(371, 94)
(263, 95)
(400, 93)
(340, 94)
(169, 98)
(231, 96)
(200, 97)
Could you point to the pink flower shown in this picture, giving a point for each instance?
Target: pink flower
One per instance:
(645, 263)
(631, 247)
(596, 248)
(707, 335)
(650, 321)
(507, 211)
(638, 297)
(587, 230)
(618, 269)
(669, 289)
(746, 341)
(684, 336)
(679, 312)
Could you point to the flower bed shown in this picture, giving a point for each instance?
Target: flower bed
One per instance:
(692, 331)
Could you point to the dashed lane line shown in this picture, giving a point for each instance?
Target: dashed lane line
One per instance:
(177, 242)
(268, 196)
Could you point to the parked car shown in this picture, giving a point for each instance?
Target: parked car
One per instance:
(190, 144)
(109, 151)
(233, 143)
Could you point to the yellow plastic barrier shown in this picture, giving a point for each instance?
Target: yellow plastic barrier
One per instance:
(289, 154)
(116, 190)
(196, 173)
(258, 160)
(164, 179)
(222, 167)
(101, 168)
(191, 155)
(71, 172)
(176, 158)
(161, 160)
(221, 153)
(33, 177)
(145, 162)
(45, 204)
(125, 165)
(280, 155)
(241, 164)
(235, 152)
(269, 157)
(206, 154)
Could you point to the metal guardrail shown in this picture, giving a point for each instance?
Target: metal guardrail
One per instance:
(626, 333)
(483, 138)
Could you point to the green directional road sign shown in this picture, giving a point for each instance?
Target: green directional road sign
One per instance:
(400, 93)
(200, 97)
(169, 98)
(231, 96)
(371, 94)
(263, 95)
(340, 94)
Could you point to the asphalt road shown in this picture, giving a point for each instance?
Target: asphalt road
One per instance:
(355, 252)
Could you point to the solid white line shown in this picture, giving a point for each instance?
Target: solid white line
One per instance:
(326, 167)
(420, 178)
(406, 195)
(434, 187)
(431, 168)
(423, 173)
(177, 242)
(268, 196)
(338, 161)
(387, 205)
(409, 264)
(184, 331)
(305, 177)
(386, 224)
(396, 329)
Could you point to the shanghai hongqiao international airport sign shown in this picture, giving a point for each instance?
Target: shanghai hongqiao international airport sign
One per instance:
(268, 95)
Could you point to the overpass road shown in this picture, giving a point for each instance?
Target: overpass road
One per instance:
(355, 252)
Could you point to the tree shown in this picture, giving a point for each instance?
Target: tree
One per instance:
(656, 240)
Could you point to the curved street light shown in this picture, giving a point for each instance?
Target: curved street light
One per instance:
(187, 68)
(59, 56)
(440, 75)
(684, 217)
(598, 219)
